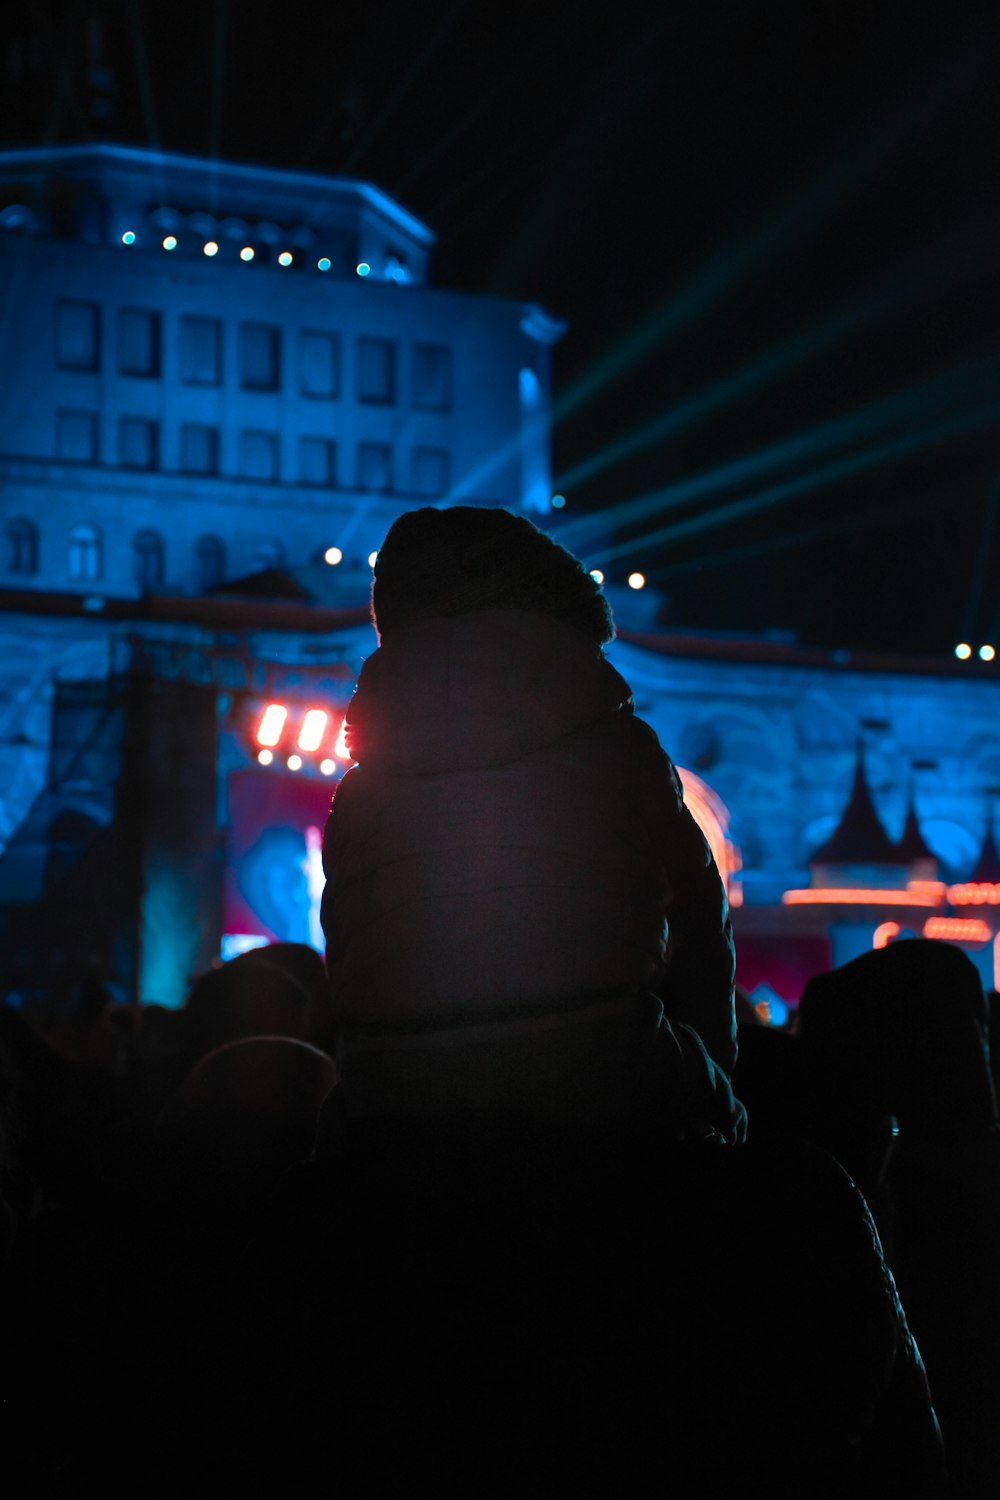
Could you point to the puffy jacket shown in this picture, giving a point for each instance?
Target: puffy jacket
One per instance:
(513, 843)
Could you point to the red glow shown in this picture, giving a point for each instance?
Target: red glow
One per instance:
(340, 749)
(884, 933)
(860, 896)
(313, 729)
(272, 722)
(975, 893)
(958, 929)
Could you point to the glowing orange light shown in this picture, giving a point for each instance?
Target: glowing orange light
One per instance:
(313, 728)
(974, 893)
(272, 722)
(328, 766)
(636, 580)
(859, 896)
(340, 749)
(884, 932)
(712, 817)
(935, 888)
(265, 757)
(294, 763)
(958, 929)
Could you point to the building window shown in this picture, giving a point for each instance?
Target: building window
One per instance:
(259, 455)
(21, 538)
(199, 453)
(201, 351)
(138, 342)
(374, 466)
(317, 461)
(137, 443)
(147, 559)
(431, 377)
(319, 364)
(430, 471)
(76, 436)
(78, 344)
(375, 373)
(85, 553)
(209, 563)
(259, 357)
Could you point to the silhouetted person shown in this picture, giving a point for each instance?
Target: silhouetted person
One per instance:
(512, 874)
(901, 1032)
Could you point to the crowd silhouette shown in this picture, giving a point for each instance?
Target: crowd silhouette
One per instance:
(283, 1237)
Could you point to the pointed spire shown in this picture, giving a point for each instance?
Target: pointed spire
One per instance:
(987, 871)
(912, 847)
(859, 838)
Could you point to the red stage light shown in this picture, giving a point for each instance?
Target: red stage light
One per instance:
(272, 723)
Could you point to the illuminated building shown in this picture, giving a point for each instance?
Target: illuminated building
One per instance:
(220, 372)
(199, 451)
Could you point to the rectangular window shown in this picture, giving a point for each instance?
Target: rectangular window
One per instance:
(138, 342)
(375, 371)
(199, 448)
(374, 467)
(258, 455)
(201, 351)
(78, 345)
(430, 471)
(318, 461)
(76, 436)
(431, 377)
(259, 357)
(319, 364)
(137, 443)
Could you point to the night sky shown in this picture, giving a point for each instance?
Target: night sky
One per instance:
(773, 230)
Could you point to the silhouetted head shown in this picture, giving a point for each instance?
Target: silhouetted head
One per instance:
(465, 558)
(906, 1026)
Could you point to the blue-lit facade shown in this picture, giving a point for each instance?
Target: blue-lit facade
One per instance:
(220, 375)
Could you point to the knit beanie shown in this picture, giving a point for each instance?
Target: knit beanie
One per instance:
(465, 558)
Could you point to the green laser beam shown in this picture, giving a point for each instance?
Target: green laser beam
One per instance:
(911, 404)
(956, 252)
(902, 447)
(797, 218)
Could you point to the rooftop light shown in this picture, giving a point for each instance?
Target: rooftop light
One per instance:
(285, 258)
(333, 556)
(170, 242)
(963, 651)
(636, 581)
(987, 653)
(246, 253)
(294, 763)
(265, 757)
(328, 767)
(210, 248)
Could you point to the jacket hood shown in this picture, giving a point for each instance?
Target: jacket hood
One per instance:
(477, 690)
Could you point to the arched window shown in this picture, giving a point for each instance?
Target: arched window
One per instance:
(85, 553)
(22, 546)
(147, 559)
(209, 563)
